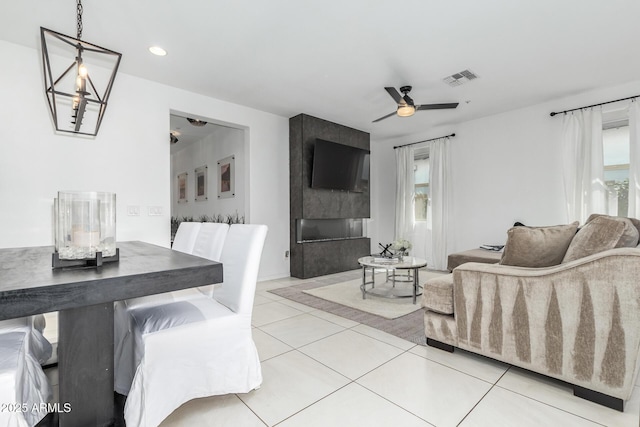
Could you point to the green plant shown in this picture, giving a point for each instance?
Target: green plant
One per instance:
(234, 218)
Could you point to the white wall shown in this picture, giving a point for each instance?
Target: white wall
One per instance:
(380, 227)
(130, 156)
(221, 143)
(506, 168)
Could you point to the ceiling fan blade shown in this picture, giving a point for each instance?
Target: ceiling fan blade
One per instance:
(384, 117)
(436, 106)
(394, 94)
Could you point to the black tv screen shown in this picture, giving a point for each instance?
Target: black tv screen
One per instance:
(340, 167)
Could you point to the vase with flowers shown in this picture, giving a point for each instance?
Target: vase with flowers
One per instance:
(401, 248)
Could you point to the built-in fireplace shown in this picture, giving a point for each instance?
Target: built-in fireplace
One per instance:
(335, 238)
(318, 230)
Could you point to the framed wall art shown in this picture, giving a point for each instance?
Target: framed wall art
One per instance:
(226, 178)
(182, 188)
(201, 183)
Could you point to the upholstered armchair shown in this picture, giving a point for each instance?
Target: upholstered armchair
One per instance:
(192, 346)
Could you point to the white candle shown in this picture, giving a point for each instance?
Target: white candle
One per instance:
(86, 238)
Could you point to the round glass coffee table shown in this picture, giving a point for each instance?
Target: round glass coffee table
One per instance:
(408, 263)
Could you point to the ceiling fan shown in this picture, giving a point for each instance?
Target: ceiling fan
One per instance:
(406, 106)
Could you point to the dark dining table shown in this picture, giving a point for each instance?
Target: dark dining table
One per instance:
(84, 298)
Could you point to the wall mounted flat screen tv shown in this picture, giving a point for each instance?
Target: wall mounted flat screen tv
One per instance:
(340, 167)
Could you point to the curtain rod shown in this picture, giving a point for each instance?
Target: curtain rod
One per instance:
(426, 140)
(594, 105)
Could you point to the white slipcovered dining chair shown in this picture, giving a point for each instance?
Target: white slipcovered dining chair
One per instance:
(209, 244)
(205, 240)
(186, 236)
(197, 346)
(23, 384)
(33, 326)
(201, 239)
(210, 240)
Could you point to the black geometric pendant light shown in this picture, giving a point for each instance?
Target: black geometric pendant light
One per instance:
(78, 77)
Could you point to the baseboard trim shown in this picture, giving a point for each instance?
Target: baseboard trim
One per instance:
(599, 398)
(440, 345)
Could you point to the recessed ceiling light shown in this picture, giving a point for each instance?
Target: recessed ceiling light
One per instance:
(157, 50)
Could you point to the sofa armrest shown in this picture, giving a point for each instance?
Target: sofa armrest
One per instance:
(577, 321)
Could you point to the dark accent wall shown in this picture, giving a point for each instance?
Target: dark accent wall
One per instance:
(312, 259)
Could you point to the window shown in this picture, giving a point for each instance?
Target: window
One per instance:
(421, 179)
(615, 139)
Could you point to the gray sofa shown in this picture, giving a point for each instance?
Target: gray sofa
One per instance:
(577, 320)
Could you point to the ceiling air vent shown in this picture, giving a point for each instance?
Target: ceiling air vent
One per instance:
(459, 78)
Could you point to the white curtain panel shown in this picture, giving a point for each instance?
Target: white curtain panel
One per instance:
(572, 158)
(634, 164)
(405, 193)
(422, 239)
(582, 152)
(439, 183)
(597, 193)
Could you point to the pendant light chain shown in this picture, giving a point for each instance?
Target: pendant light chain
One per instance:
(79, 9)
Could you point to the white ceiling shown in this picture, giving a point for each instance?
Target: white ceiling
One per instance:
(332, 59)
(187, 133)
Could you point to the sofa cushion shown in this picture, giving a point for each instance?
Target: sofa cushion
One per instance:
(473, 255)
(602, 233)
(437, 294)
(629, 237)
(537, 246)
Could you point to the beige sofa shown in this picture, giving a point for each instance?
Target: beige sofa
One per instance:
(577, 321)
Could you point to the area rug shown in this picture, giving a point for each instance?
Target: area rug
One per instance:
(409, 326)
(349, 294)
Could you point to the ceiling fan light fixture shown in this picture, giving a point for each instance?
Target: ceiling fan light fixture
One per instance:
(406, 110)
(405, 105)
(196, 122)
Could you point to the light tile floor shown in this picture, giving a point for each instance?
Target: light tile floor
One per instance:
(323, 370)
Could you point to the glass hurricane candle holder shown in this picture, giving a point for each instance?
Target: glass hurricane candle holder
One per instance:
(85, 226)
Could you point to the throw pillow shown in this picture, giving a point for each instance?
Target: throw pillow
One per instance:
(631, 231)
(600, 234)
(537, 246)
(636, 223)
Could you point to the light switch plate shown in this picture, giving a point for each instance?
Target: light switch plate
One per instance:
(155, 210)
